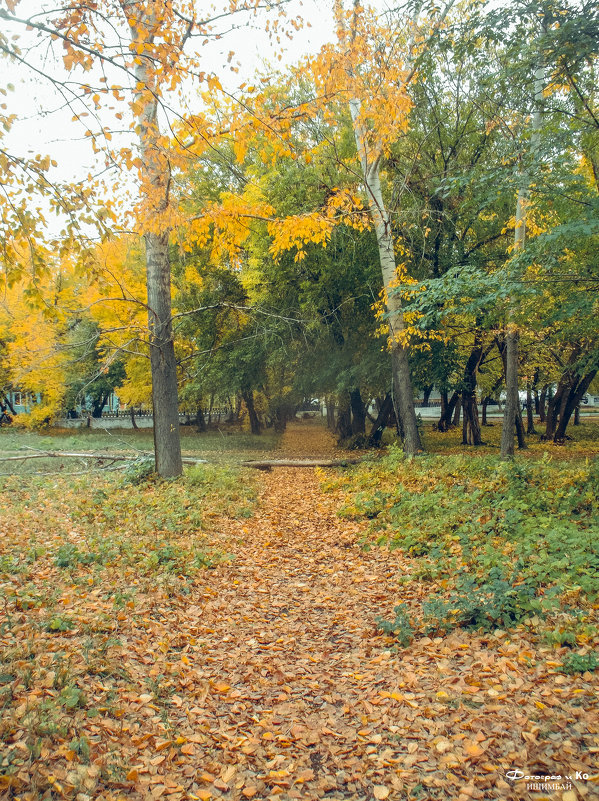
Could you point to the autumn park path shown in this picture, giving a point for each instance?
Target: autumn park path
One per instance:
(138, 674)
(288, 691)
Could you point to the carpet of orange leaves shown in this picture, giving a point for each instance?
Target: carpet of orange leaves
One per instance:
(270, 681)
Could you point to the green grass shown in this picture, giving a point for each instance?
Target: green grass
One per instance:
(227, 446)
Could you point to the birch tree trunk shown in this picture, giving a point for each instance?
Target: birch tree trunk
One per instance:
(156, 178)
(512, 405)
(403, 393)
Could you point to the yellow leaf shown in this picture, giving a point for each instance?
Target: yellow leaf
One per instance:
(380, 792)
(473, 749)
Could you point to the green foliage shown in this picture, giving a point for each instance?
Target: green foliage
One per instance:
(60, 623)
(580, 663)
(72, 698)
(502, 541)
(480, 605)
(139, 471)
(401, 627)
(70, 556)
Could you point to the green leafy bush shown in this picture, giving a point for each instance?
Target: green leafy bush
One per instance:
(580, 663)
(504, 539)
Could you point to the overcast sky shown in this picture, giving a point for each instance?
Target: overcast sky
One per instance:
(46, 128)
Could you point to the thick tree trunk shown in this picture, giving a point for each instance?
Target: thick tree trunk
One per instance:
(155, 174)
(358, 424)
(381, 421)
(344, 418)
(98, 405)
(167, 443)
(577, 415)
(248, 397)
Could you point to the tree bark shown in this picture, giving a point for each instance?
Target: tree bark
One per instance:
(543, 403)
(133, 423)
(167, 443)
(381, 421)
(344, 418)
(200, 419)
(403, 393)
(155, 172)
(447, 411)
(358, 424)
(471, 427)
(530, 420)
(426, 394)
(330, 412)
(457, 412)
(8, 403)
(248, 397)
(512, 404)
(574, 388)
(577, 414)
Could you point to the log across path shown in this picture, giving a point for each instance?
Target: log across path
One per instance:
(289, 691)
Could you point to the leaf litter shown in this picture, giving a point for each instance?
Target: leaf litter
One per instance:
(266, 677)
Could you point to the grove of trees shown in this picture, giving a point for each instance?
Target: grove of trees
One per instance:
(415, 206)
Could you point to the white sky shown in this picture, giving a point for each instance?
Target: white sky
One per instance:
(41, 128)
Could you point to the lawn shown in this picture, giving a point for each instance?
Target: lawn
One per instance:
(226, 445)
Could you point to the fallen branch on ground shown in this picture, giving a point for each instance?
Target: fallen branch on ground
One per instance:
(264, 464)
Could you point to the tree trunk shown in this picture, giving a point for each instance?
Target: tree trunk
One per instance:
(133, 423)
(457, 412)
(200, 419)
(530, 421)
(543, 403)
(344, 418)
(155, 174)
(381, 421)
(248, 397)
(471, 426)
(99, 404)
(403, 393)
(167, 443)
(330, 413)
(426, 395)
(358, 425)
(512, 404)
(485, 403)
(577, 414)
(570, 399)
(520, 429)
(447, 410)
(8, 403)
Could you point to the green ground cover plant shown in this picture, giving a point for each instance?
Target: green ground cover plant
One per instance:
(495, 542)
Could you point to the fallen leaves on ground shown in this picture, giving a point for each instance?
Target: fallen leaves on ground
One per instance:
(266, 678)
